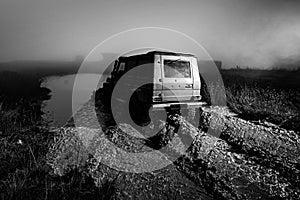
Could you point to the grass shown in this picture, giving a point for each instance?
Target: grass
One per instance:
(258, 100)
(272, 96)
(265, 103)
(25, 174)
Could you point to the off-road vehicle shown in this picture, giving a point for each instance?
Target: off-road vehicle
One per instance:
(173, 83)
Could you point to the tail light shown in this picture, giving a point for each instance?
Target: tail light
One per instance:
(157, 98)
(196, 98)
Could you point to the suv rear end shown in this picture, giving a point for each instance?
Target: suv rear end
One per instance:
(176, 78)
(172, 83)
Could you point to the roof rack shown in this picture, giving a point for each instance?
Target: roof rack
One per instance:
(159, 52)
(170, 53)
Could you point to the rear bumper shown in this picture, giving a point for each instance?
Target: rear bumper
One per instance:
(178, 105)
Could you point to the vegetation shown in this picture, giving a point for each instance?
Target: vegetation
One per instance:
(24, 143)
(25, 137)
(272, 96)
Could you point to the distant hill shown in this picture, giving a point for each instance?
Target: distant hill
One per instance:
(50, 68)
(41, 68)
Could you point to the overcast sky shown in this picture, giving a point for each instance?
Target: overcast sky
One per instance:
(244, 32)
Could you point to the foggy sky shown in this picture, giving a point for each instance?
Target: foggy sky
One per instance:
(254, 33)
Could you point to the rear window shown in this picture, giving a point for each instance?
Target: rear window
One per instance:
(177, 69)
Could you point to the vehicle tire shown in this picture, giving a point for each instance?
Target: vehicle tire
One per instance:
(139, 111)
(107, 93)
(203, 124)
(204, 91)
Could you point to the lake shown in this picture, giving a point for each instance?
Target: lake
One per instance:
(58, 109)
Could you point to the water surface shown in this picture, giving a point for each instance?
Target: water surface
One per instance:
(58, 109)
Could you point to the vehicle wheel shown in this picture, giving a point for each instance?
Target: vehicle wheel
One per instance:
(203, 121)
(107, 93)
(139, 112)
(204, 91)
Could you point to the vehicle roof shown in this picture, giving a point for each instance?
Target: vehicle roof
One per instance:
(150, 53)
(170, 53)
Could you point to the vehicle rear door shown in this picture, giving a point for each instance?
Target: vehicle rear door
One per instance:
(177, 78)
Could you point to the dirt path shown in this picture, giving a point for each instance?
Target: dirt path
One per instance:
(246, 161)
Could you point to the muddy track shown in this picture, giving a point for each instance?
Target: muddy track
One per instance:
(249, 160)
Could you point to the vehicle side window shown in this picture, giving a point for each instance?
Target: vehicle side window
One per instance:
(122, 67)
(177, 69)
